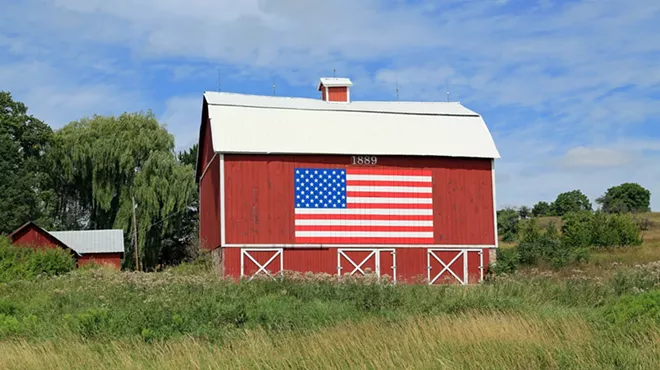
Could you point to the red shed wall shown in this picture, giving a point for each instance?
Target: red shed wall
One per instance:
(338, 94)
(109, 259)
(33, 237)
(259, 196)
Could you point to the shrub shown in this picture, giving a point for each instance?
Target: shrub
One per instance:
(507, 262)
(548, 246)
(635, 310)
(577, 229)
(615, 230)
(507, 224)
(23, 263)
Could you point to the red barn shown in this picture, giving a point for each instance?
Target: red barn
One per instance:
(330, 185)
(100, 246)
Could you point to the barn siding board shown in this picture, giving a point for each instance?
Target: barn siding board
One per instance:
(259, 196)
(411, 264)
(32, 237)
(209, 206)
(322, 261)
(109, 259)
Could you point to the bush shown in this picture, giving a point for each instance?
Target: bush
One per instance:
(615, 230)
(635, 310)
(507, 262)
(577, 229)
(507, 224)
(548, 246)
(24, 263)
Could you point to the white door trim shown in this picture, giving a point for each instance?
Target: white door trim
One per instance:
(262, 268)
(223, 217)
(374, 252)
(363, 247)
(446, 267)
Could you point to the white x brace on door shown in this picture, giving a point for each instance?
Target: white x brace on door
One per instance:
(453, 265)
(269, 262)
(357, 261)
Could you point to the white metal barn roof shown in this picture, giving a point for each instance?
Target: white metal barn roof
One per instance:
(92, 241)
(264, 124)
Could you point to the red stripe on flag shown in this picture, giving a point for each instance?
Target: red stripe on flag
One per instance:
(378, 194)
(388, 172)
(389, 206)
(325, 240)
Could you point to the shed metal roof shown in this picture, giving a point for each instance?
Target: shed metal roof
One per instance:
(92, 241)
(243, 123)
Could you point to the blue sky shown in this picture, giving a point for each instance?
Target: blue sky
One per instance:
(569, 89)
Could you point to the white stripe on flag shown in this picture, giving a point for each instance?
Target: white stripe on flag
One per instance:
(362, 223)
(363, 211)
(391, 189)
(364, 234)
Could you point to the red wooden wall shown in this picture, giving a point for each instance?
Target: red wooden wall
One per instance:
(209, 193)
(109, 259)
(259, 197)
(32, 236)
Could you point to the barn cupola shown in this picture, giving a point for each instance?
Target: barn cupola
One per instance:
(335, 89)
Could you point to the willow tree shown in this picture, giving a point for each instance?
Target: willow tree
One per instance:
(104, 163)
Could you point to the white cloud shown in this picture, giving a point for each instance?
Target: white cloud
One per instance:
(562, 85)
(58, 99)
(581, 158)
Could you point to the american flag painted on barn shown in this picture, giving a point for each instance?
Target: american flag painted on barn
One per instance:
(363, 206)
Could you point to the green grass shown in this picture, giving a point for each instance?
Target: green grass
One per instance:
(536, 319)
(602, 314)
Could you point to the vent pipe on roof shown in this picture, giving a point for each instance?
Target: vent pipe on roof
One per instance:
(335, 89)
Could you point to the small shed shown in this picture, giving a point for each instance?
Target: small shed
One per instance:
(100, 246)
(330, 185)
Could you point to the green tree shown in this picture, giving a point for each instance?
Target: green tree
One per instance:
(577, 229)
(542, 209)
(627, 197)
(524, 212)
(571, 201)
(507, 224)
(180, 243)
(103, 163)
(24, 140)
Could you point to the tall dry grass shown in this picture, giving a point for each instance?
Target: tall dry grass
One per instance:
(472, 341)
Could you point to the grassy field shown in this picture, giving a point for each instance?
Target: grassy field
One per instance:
(603, 314)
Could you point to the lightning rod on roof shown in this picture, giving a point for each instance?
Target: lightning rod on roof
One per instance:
(334, 72)
(397, 88)
(447, 88)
